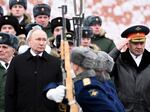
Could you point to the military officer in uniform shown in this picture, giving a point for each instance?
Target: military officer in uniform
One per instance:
(99, 38)
(131, 71)
(87, 34)
(18, 9)
(9, 24)
(8, 48)
(41, 13)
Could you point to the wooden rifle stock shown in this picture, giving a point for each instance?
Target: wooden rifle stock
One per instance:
(65, 55)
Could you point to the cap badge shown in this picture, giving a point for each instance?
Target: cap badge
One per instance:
(137, 28)
(86, 32)
(42, 9)
(96, 19)
(6, 18)
(59, 20)
(17, 0)
(21, 27)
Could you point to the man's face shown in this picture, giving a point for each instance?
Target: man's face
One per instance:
(96, 29)
(85, 42)
(137, 48)
(42, 20)
(38, 41)
(6, 52)
(8, 29)
(57, 31)
(17, 10)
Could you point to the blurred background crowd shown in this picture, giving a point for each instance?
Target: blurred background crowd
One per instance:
(116, 15)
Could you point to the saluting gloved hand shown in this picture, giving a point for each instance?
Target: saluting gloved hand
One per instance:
(57, 94)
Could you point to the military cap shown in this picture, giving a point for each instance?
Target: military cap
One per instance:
(136, 33)
(30, 26)
(58, 22)
(87, 32)
(41, 9)
(20, 2)
(1, 11)
(9, 20)
(83, 57)
(103, 62)
(9, 40)
(92, 20)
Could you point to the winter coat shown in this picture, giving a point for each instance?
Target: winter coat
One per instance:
(2, 87)
(94, 95)
(27, 76)
(133, 82)
(104, 43)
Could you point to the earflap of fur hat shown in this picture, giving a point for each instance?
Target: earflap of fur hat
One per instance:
(104, 62)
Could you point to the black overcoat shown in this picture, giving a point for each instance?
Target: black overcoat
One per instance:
(27, 77)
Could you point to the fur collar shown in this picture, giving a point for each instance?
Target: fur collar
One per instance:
(127, 58)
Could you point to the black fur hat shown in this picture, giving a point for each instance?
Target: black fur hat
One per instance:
(9, 20)
(58, 22)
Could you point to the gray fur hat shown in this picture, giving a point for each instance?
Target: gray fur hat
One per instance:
(9, 40)
(41, 9)
(104, 62)
(83, 57)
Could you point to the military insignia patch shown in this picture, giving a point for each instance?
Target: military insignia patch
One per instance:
(138, 28)
(86, 81)
(93, 92)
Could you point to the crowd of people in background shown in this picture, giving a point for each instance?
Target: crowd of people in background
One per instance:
(107, 76)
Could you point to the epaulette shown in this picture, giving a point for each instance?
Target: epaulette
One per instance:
(86, 81)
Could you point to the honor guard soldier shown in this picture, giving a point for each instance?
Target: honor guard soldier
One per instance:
(91, 93)
(41, 13)
(132, 69)
(99, 38)
(18, 9)
(9, 24)
(8, 48)
(56, 29)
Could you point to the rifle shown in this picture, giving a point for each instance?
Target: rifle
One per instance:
(77, 22)
(66, 66)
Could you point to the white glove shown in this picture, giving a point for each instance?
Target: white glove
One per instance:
(57, 94)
